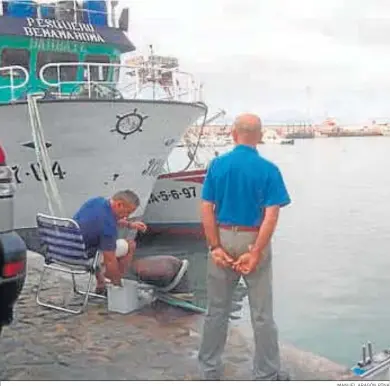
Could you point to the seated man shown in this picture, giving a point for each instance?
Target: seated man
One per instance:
(98, 219)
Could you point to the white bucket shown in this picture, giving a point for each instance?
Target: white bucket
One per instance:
(123, 299)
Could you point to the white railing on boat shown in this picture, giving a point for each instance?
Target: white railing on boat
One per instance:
(129, 81)
(13, 72)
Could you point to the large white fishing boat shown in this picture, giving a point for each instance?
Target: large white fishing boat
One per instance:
(102, 132)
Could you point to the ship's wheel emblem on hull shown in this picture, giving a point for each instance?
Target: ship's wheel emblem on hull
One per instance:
(128, 124)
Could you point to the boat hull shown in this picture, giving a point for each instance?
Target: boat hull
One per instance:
(96, 148)
(174, 205)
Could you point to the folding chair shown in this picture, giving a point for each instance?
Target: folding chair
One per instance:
(65, 251)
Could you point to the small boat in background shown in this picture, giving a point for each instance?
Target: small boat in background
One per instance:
(272, 137)
(173, 206)
(373, 366)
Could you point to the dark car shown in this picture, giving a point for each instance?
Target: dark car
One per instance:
(13, 251)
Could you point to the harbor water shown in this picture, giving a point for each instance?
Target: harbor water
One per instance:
(331, 249)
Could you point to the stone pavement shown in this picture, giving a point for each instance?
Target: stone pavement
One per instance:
(157, 343)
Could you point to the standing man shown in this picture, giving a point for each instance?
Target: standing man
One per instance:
(98, 219)
(242, 195)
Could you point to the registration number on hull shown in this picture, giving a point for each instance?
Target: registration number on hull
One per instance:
(33, 171)
(174, 194)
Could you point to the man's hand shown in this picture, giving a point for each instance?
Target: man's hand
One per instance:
(123, 223)
(221, 258)
(248, 261)
(113, 275)
(139, 226)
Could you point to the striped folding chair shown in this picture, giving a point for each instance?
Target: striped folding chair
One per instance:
(65, 251)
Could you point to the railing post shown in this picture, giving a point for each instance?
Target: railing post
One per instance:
(59, 78)
(174, 81)
(189, 91)
(12, 83)
(137, 82)
(89, 80)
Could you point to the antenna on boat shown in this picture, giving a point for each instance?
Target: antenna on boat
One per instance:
(75, 11)
(114, 4)
(151, 58)
(201, 93)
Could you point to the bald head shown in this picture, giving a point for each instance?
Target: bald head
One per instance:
(247, 129)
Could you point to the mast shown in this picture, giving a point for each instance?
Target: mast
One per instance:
(152, 63)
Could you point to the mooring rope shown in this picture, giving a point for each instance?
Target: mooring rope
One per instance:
(50, 187)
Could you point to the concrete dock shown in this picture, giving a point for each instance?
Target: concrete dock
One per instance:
(156, 343)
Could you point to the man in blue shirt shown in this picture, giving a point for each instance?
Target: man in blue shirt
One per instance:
(241, 198)
(98, 219)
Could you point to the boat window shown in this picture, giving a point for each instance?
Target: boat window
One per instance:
(67, 73)
(97, 73)
(15, 57)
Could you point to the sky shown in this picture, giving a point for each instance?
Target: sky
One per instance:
(285, 60)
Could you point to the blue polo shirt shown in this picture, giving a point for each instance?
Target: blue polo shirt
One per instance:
(241, 184)
(98, 224)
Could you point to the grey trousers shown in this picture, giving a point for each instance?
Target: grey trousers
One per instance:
(221, 283)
